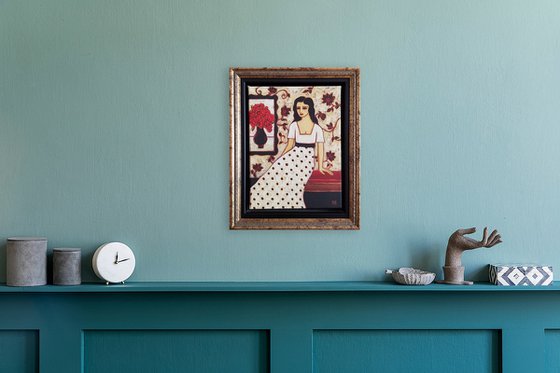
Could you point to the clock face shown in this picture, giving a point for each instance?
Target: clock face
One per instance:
(113, 262)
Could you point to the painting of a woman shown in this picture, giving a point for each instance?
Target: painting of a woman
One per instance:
(283, 185)
(294, 148)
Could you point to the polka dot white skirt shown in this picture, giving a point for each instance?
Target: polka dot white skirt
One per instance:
(282, 186)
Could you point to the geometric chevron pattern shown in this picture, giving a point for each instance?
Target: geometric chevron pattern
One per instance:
(520, 275)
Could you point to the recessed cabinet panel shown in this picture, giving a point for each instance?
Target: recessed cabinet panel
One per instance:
(19, 351)
(122, 351)
(552, 348)
(398, 351)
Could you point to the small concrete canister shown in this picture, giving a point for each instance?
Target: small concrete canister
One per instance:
(67, 266)
(26, 261)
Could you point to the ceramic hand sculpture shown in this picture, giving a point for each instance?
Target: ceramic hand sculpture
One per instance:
(453, 271)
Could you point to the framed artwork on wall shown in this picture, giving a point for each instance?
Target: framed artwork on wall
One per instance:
(294, 148)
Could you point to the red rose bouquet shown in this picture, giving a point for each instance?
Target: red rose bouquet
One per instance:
(261, 117)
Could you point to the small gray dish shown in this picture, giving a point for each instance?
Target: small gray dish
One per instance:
(411, 276)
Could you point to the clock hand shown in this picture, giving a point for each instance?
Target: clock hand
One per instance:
(117, 258)
(122, 260)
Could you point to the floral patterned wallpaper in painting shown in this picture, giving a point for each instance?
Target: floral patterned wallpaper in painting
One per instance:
(327, 111)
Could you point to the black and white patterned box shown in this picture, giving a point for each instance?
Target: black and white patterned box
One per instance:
(520, 275)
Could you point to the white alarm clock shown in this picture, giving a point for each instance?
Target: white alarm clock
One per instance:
(113, 262)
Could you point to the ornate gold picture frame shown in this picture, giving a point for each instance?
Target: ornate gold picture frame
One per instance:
(294, 148)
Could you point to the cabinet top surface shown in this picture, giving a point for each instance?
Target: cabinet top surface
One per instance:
(318, 286)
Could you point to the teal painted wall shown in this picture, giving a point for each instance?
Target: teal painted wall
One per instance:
(114, 126)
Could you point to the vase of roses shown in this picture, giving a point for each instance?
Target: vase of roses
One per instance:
(262, 119)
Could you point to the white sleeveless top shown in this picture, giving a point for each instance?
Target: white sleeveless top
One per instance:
(315, 136)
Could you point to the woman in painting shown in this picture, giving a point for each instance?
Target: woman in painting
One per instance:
(282, 186)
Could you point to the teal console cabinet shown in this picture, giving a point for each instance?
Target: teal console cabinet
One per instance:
(279, 328)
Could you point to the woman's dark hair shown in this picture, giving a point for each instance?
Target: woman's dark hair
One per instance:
(309, 102)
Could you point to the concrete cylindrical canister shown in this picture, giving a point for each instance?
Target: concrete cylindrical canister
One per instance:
(67, 266)
(26, 261)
